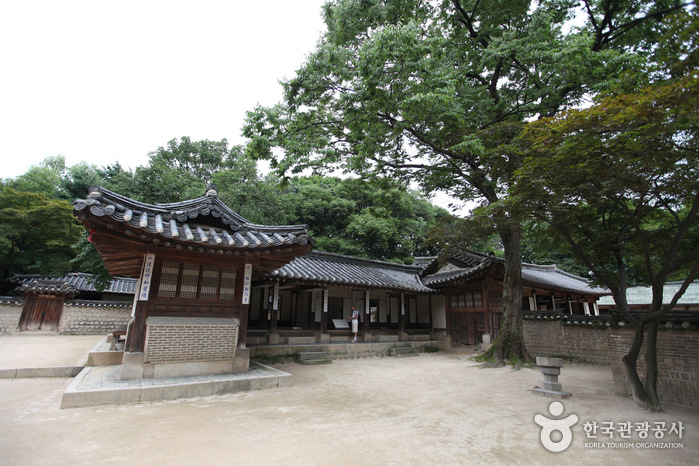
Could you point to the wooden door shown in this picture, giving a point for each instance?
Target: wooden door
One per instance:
(458, 327)
(41, 313)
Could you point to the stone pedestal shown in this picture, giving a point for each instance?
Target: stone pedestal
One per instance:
(368, 337)
(551, 368)
(132, 366)
(324, 338)
(402, 336)
(273, 339)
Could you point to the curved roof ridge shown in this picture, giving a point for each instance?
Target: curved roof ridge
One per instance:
(323, 255)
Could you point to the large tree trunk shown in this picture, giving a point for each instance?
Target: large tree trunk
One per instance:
(637, 388)
(652, 366)
(509, 345)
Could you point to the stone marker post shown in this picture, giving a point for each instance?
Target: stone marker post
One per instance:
(551, 368)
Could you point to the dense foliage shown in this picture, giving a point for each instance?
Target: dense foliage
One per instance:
(347, 216)
(36, 234)
(618, 184)
(436, 92)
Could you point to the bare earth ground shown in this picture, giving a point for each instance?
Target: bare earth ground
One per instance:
(434, 409)
(19, 351)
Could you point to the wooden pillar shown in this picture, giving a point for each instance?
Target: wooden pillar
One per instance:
(275, 310)
(324, 313)
(265, 315)
(429, 313)
(136, 330)
(245, 297)
(401, 312)
(367, 313)
(136, 333)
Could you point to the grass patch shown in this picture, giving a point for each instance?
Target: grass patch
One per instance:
(428, 349)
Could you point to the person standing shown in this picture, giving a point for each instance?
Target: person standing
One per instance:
(355, 323)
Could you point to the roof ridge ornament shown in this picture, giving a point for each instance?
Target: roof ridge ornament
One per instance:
(212, 191)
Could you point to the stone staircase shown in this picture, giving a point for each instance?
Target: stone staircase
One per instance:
(309, 359)
(404, 352)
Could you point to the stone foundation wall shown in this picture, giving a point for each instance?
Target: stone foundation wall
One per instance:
(93, 317)
(678, 362)
(10, 313)
(554, 338)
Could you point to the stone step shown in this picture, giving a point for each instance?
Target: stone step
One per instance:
(313, 355)
(313, 362)
(403, 352)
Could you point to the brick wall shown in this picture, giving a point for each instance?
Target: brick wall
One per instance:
(93, 317)
(554, 338)
(179, 343)
(10, 313)
(678, 359)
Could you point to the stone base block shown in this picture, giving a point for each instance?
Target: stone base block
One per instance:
(180, 369)
(301, 340)
(324, 338)
(241, 363)
(368, 337)
(484, 346)
(402, 336)
(132, 366)
(549, 362)
(551, 393)
(273, 339)
(552, 386)
(387, 338)
(105, 358)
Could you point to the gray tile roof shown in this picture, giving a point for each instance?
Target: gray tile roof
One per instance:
(202, 221)
(474, 264)
(81, 282)
(334, 269)
(551, 277)
(462, 267)
(37, 285)
(639, 295)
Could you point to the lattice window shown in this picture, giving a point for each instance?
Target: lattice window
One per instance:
(168, 279)
(190, 281)
(227, 284)
(466, 300)
(477, 302)
(209, 282)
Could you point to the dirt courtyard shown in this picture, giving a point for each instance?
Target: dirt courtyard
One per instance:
(437, 408)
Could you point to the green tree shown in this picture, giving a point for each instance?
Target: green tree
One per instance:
(383, 221)
(619, 184)
(256, 198)
(36, 234)
(44, 178)
(436, 93)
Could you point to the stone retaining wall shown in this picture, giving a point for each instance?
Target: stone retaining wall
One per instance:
(10, 313)
(93, 317)
(554, 338)
(678, 359)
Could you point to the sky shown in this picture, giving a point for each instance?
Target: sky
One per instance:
(106, 81)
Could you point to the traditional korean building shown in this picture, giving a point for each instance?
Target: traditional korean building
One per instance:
(472, 286)
(210, 282)
(309, 301)
(195, 262)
